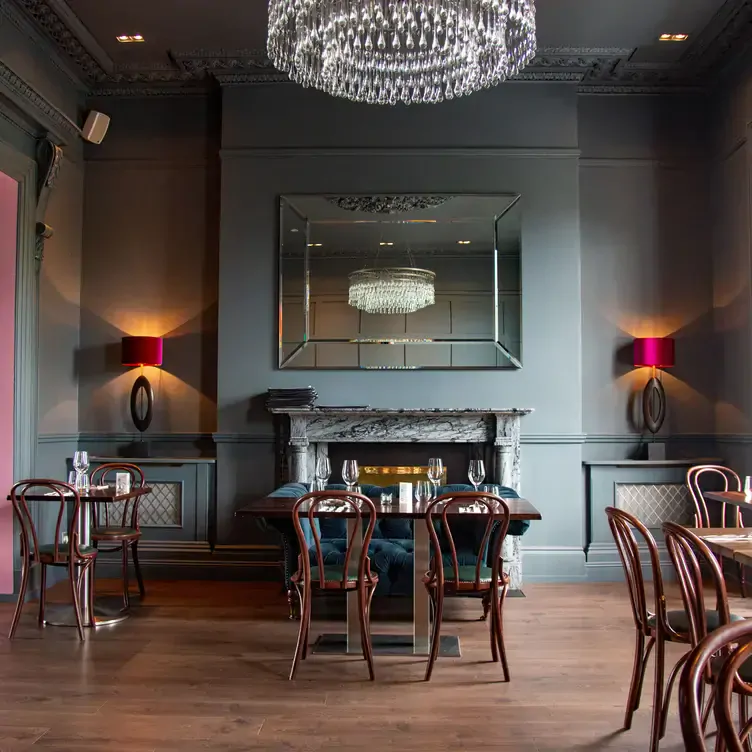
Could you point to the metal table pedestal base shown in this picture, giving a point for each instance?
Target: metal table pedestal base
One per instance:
(384, 644)
(106, 611)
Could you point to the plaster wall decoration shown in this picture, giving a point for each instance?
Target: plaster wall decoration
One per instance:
(592, 70)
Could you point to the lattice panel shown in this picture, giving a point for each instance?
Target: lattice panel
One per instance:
(163, 507)
(656, 503)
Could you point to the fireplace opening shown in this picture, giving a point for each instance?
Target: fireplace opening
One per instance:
(456, 457)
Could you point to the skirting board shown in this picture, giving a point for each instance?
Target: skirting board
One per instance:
(552, 564)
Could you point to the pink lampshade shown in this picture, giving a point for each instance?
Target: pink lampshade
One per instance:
(654, 351)
(141, 351)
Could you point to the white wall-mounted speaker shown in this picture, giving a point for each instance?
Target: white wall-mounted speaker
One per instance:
(95, 127)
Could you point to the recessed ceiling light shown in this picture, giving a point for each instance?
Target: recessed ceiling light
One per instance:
(463, 242)
(673, 37)
(315, 245)
(386, 243)
(127, 38)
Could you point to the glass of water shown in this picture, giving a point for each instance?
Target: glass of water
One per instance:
(350, 473)
(423, 492)
(476, 473)
(748, 487)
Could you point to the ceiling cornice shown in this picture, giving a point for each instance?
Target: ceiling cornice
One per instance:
(593, 70)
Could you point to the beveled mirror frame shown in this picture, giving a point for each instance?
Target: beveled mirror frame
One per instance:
(512, 360)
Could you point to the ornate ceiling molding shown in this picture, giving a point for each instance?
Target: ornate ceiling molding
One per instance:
(593, 70)
(30, 101)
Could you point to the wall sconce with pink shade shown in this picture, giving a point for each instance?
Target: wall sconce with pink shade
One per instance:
(656, 353)
(140, 352)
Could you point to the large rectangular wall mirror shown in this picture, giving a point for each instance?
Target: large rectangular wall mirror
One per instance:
(400, 281)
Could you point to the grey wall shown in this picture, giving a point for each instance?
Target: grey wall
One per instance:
(646, 262)
(150, 262)
(732, 268)
(474, 146)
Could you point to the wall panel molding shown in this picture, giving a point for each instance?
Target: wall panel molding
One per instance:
(294, 152)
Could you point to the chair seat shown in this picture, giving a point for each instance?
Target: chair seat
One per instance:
(467, 576)
(679, 621)
(46, 553)
(333, 575)
(112, 532)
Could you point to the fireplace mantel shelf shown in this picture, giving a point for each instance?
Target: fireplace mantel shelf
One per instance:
(401, 410)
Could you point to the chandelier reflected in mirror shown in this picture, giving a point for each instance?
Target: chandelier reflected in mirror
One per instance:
(390, 51)
(392, 289)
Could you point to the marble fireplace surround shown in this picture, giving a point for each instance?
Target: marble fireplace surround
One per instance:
(312, 430)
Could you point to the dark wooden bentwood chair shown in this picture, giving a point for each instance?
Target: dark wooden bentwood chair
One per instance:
(76, 559)
(338, 577)
(725, 655)
(688, 553)
(119, 530)
(453, 578)
(656, 627)
(729, 481)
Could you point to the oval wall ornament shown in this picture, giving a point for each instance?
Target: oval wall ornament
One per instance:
(142, 403)
(654, 405)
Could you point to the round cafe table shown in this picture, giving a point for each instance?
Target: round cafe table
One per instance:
(108, 610)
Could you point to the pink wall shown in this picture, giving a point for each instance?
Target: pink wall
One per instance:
(8, 228)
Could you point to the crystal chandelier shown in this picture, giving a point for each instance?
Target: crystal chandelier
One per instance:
(391, 289)
(390, 51)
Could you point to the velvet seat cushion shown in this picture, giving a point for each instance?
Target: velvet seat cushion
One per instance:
(115, 532)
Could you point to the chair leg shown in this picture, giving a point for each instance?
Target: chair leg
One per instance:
(365, 634)
(436, 637)
(742, 580)
(498, 606)
(25, 567)
(660, 657)
(669, 686)
(492, 630)
(126, 599)
(137, 569)
(42, 593)
(638, 675)
(74, 583)
(486, 606)
(305, 614)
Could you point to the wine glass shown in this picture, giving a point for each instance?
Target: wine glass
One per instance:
(350, 473)
(476, 473)
(423, 492)
(323, 472)
(80, 465)
(435, 473)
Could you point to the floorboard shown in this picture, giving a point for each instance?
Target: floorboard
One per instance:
(203, 666)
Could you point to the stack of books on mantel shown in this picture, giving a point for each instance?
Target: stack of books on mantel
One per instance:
(286, 398)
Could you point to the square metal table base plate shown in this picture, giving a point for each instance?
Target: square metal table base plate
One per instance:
(449, 646)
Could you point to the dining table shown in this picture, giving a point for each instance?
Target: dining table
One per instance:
(733, 543)
(418, 642)
(106, 611)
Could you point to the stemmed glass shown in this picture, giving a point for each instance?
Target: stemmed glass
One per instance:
(323, 472)
(80, 465)
(476, 473)
(435, 473)
(350, 473)
(423, 492)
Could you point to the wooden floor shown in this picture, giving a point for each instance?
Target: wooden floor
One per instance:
(204, 666)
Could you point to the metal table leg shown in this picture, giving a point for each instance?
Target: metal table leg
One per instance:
(104, 612)
(354, 643)
(421, 601)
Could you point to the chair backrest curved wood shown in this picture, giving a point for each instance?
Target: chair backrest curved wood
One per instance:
(54, 492)
(622, 526)
(498, 524)
(730, 481)
(353, 505)
(100, 477)
(734, 643)
(688, 553)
